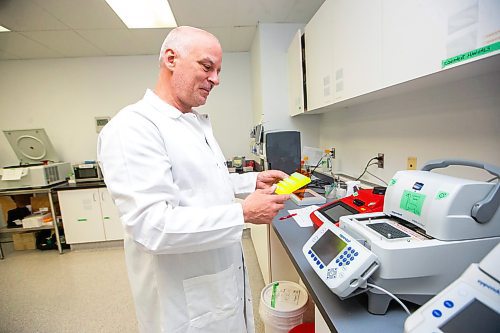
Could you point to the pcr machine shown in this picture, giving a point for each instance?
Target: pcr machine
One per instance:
(469, 304)
(432, 228)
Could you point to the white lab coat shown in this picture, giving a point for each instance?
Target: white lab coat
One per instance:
(168, 178)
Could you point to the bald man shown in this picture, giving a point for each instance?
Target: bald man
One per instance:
(176, 198)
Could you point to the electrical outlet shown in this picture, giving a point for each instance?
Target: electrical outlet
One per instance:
(411, 164)
(332, 152)
(380, 161)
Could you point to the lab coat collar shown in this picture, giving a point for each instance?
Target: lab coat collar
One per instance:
(167, 109)
(151, 98)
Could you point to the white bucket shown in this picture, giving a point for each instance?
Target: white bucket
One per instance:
(282, 307)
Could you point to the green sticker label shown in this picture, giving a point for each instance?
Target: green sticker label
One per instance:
(392, 182)
(273, 296)
(471, 54)
(412, 202)
(441, 195)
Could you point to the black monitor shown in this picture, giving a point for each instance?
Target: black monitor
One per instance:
(283, 151)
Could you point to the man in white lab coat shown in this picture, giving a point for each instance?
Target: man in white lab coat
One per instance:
(168, 178)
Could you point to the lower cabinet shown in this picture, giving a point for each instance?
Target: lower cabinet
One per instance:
(89, 215)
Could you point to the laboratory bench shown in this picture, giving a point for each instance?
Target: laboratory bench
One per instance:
(53, 193)
(89, 214)
(343, 316)
(49, 191)
(78, 186)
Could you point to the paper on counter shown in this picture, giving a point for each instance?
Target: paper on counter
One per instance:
(302, 218)
(12, 174)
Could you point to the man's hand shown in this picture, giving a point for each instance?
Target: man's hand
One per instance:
(262, 205)
(266, 179)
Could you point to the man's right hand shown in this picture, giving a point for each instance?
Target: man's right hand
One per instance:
(261, 206)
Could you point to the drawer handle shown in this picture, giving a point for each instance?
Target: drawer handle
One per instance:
(107, 217)
(82, 220)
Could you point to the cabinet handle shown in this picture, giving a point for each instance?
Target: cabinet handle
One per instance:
(93, 196)
(102, 196)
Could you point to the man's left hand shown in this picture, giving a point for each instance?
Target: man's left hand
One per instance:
(267, 178)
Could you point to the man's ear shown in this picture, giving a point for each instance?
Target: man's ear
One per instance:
(169, 59)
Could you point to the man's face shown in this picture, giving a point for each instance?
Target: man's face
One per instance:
(196, 73)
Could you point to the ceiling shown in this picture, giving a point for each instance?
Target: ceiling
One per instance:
(89, 28)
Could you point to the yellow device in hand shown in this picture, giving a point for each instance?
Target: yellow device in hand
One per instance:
(292, 183)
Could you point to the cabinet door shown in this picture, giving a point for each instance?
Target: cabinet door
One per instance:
(418, 35)
(295, 76)
(81, 214)
(414, 39)
(260, 239)
(113, 228)
(318, 57)
(356, 47)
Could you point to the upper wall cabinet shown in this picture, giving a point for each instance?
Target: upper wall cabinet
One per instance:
(318, 58)
(419, 36)
(356, 47)
(295, 76)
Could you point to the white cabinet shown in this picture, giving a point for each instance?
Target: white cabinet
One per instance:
(113, 228)
(274, 262)
(343, 50)
(356, 39)
(357, 47)
(414, 39)
(89, 215)
(295, 76)
(418, 35)
(318, 58)
(260, 239)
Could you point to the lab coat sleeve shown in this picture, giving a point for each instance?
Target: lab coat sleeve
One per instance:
(138, 174)
(244, 183)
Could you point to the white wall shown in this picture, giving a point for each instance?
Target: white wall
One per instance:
(256, 60)
(460, 119)
(230, 105)
(270, 82)
(64, 95)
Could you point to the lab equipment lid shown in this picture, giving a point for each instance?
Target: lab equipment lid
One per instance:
(31, 145)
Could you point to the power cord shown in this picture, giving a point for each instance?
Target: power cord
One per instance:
(371, 174)
(391, 295)
(319, 162)
(366, 167)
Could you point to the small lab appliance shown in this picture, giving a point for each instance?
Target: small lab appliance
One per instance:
(87, 172)
(362, 201)
(432, 227)
(38, 163)
(470, 304)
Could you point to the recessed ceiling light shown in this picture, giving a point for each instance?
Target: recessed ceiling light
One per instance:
(144, 13)
(3, 29)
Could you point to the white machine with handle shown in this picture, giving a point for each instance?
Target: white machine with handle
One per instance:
(432, 228)
(470, 304)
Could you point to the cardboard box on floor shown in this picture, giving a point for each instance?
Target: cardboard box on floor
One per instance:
(24, 241)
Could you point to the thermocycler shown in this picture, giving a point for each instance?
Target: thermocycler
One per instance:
(433, 227)
(470, 304)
